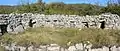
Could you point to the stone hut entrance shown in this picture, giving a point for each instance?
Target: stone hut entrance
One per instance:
(31, 23)
(102, 26)
(3, 28)
(86, 24)
(3, 25)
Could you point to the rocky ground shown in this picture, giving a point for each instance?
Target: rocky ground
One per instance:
(55, 47)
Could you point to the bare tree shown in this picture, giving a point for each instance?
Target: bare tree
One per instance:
(118, 2)
(89, 1)
(97, 3)
(109, 4)
(39, 1)
(24, 2)
(113, 2)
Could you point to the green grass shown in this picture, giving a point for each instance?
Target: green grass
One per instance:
(61, 36)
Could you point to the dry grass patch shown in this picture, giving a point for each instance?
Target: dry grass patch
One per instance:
(62, 36)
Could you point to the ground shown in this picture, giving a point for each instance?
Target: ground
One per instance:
(62, 36)
(1, 48)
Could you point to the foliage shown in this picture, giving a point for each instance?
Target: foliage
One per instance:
(113, 9)
(61, 8)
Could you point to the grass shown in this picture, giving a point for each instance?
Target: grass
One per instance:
(1, 49)
(61, 36)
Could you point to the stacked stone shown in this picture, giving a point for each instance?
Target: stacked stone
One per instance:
(64, 21)
(16, 21)
(56, 47)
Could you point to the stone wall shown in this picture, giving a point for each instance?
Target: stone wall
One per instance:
(20, 22)
(56, 47)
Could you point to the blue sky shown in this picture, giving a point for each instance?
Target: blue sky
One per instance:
(16, 2)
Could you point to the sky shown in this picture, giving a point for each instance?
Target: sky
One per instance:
(17, 2)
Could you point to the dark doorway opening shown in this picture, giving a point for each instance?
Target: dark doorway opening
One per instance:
(86, 24)
(31, 23)
(102, 26)
(3, 28)
(55, 20)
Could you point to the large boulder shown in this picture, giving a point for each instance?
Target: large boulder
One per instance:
(9, 29)
(19, 29)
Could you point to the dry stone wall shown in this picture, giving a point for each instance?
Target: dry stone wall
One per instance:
(56, 47)
(19, 22)
(15, 21)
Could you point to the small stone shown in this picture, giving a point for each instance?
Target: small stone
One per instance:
(72, 48)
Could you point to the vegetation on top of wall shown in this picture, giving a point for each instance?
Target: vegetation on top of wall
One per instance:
(62, 8)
